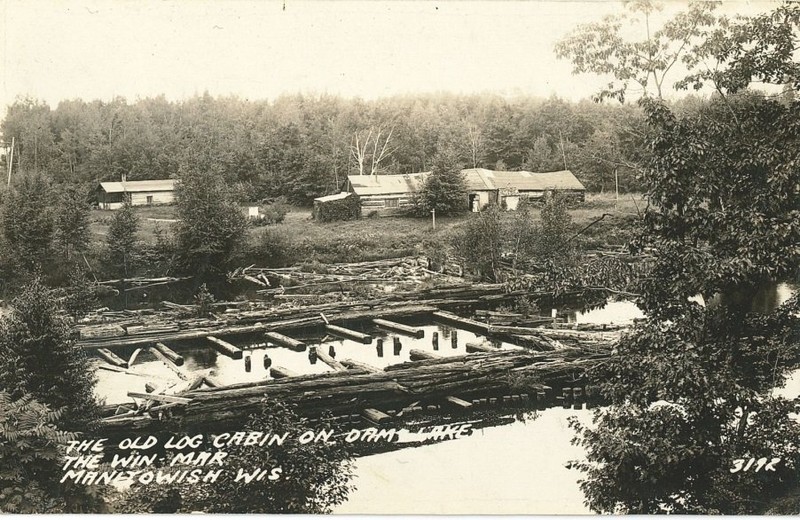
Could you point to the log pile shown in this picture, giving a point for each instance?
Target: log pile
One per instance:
(355, 389)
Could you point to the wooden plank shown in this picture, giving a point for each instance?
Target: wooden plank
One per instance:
(232, 351)
(160, 397)
(170, 354)
(112, 358)
(328, 360)
(350, 334)
(285, 341)
(415, 332)
(281, 372)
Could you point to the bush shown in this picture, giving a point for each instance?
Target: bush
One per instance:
(274, 213)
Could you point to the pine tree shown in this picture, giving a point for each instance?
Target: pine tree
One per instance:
(72, 221)
(121, 240)
(38, 357)
(445, 189)
(28, 222)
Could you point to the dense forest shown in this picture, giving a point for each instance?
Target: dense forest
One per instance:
(303, 146)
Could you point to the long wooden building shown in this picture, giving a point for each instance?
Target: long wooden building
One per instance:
(388, 194)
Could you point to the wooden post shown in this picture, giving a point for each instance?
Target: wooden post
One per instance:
(331, 351)
(397, 346)
(226, 348)
(379, 347)
(454, 339)
(248, 363)
(313, 355)
(267, 361)
(436, 340)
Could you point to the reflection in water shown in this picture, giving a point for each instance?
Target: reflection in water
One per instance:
(517, 468)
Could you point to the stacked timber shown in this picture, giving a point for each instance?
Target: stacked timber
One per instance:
(352, 391)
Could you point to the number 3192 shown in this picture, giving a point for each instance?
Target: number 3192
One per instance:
(746, 465)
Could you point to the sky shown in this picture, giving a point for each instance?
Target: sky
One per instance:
(56, 49)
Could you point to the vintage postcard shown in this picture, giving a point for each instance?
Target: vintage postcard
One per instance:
(399, 257)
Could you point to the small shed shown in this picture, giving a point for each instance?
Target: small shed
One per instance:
(110, 195)
(385, 194)
(340, 206)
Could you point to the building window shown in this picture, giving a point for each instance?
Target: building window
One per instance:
(391, 203)
(149, 199)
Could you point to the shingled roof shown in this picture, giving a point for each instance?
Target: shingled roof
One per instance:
(138, 186)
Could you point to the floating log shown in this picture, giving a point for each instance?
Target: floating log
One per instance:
(211, 382)
(112, 358)
(180, 373)
(415, 332)
(232, 351)
(280, 372)
(112, 368)
(374, 416)
(416, 355)
(160, 397)
(478, 347)
(170, 354)
(350, 334)
(466, 323)
(134, 330)
(285, 341)
(460, 403)
(328, 360)
(101, 332)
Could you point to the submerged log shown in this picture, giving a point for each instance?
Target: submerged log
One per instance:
(328, 360)
(416, 355)
(479, 347)
(367, 368)
(280, 373)
(466, 323)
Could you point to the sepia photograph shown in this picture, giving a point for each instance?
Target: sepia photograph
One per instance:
(393, 257)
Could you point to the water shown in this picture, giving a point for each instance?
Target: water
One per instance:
(516, 468)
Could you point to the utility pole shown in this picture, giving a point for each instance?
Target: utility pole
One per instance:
(433, 218)
(563, 155)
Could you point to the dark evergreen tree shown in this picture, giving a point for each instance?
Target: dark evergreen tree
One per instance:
(445, 189)
(121, 241)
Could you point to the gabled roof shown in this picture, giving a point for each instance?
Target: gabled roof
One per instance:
(138, 186)
(522, 180)
(335, 196)
(387, 184)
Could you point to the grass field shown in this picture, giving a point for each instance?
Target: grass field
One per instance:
(299, 238)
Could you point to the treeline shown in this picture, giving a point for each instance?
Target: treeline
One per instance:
(304, 146)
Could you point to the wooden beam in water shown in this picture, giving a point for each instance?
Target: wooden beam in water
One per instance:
(170, 354)
(374, 416)
(280, 373)
(418, 355)
(328, 360)
(415, 332)
(477, 347)
(160, 397)
(349, 363)
(458, 402)
(285, 341)
(464, 322)
(232, 351)
(350, 334)
(112, 358)
(179, 372)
